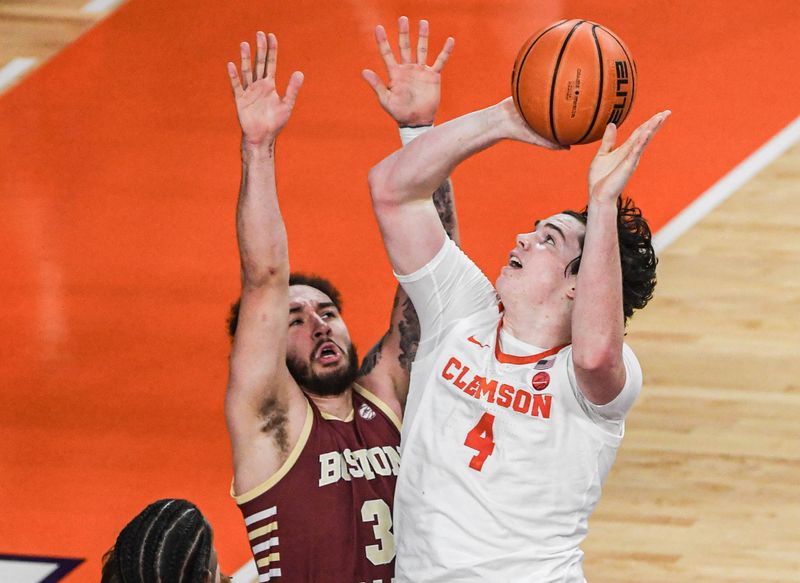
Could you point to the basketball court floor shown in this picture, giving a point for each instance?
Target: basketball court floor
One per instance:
(119, 170)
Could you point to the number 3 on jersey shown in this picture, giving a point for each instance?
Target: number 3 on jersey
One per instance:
(378, 511)
(481, 438)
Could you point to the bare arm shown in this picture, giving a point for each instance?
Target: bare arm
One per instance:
(401, 184)
(264, 407)
(386, 368)
(412, 100)
(598, 325)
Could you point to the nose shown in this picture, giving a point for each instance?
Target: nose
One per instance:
(522, 241)
(321, 327)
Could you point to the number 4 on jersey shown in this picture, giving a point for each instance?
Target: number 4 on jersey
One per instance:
(481, 438)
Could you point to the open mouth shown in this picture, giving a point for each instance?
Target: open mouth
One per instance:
(514, 263)
(328, 353)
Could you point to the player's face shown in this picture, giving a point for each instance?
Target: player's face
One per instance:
(536, 266)
(319, 352)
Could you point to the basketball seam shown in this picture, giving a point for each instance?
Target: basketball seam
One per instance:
(632, 63)
(555, 74)
(522, 65)
(600, 91)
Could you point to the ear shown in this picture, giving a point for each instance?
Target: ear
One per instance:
(571, 290)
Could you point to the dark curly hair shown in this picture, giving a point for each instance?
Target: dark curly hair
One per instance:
(170, 540)
(637, 256)
(315, 281)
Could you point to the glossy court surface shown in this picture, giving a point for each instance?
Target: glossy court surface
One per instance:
(119, 169)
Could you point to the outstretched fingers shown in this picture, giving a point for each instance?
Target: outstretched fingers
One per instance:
(375, 82)
(609, 139)
(236, 85)
(272, 55)
(247, 73)
(438, 65)
(261, 55)
(644, 134)
(403, 40)
(293, 88)
(422, 43)
(384, 48)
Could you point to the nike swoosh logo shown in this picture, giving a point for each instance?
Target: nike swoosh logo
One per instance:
(475, 341)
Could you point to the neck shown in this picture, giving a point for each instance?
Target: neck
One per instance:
(544, 326)
(339, 406)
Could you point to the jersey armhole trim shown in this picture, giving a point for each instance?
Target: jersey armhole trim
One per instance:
(369, 396)
(284, 469)
(330, 417)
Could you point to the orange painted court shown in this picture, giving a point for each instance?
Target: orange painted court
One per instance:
(119, 171)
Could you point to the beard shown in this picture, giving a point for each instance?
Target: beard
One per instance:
(328, 383)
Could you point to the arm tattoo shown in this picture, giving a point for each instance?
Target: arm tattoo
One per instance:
(409, 335)
(443, 199)
(408, 324)
(374, 355)
(372, 358)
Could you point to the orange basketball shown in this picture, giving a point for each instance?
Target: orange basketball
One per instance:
(571, 79)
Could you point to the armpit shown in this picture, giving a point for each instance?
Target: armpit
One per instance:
(274, 422)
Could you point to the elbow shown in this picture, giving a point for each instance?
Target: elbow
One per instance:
(389, 183)
(258, 276)
(597, 359)
(380, 183)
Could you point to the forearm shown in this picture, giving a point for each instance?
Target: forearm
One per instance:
(259, 225)
(598, 323)
(417, 170)
(443, 198)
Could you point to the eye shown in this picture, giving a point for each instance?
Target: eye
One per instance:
(329, 314)
(549, 240)
(295, 322)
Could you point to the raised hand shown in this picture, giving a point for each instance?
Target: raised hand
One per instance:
(515, 128)
(262, 112)
(612, 168)
(414, 90)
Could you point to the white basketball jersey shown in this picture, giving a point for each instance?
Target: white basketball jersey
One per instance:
(502, 462)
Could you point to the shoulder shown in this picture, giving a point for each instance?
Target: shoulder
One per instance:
(365, 403)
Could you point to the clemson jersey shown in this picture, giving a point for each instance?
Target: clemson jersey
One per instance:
(326, 514)
(503, 457)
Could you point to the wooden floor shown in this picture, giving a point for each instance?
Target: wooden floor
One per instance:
(38, 29)
(119, 269)
(705, 484)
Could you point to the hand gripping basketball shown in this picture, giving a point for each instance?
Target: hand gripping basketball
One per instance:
(571, 79)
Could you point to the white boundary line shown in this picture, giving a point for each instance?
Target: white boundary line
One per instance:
(15, 69)
(247, 573)
(726, 186)
(97, 6)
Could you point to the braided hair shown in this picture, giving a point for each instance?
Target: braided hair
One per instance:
(637, 256)
(169, 541)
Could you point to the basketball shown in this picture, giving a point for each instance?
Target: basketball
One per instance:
(571, 79)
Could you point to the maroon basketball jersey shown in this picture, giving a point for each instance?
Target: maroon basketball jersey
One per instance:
(326, 514)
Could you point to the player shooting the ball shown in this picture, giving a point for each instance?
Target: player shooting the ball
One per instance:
(519, 391)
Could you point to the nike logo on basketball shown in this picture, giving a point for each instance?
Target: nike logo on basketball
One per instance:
(475, 341)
